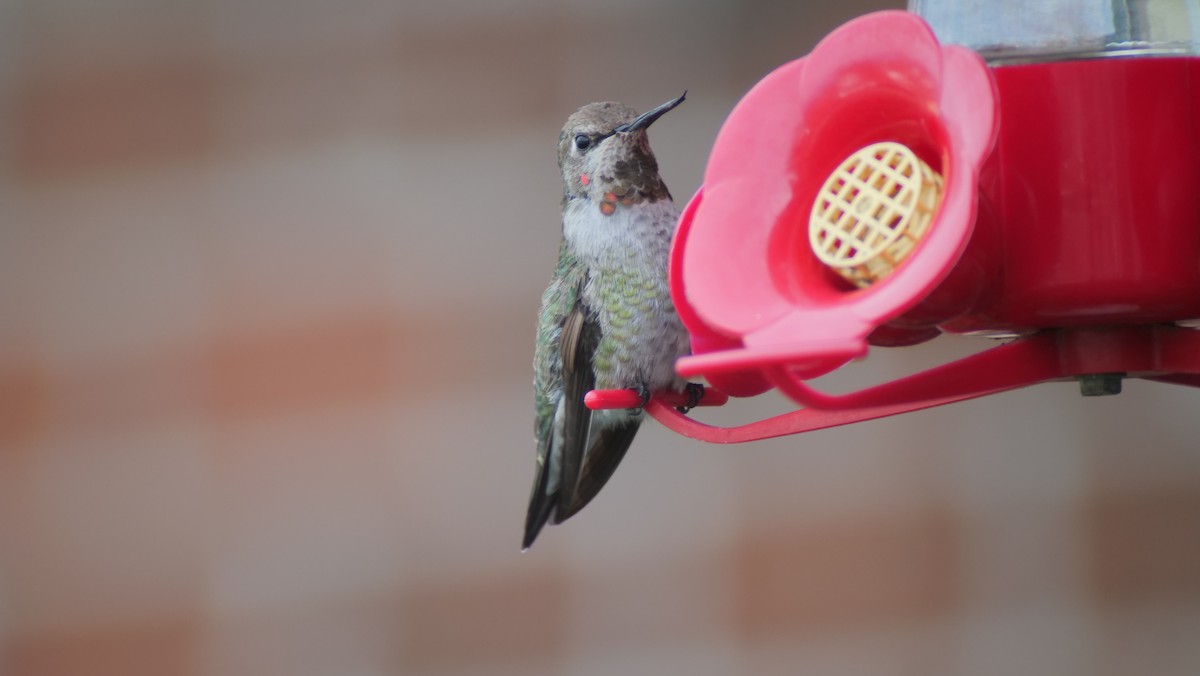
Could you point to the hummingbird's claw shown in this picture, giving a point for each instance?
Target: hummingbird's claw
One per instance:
(644, 393)
(695, 392)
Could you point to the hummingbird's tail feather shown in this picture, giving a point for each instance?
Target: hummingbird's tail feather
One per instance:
(560, 463)
(540, 506)
(601, 460)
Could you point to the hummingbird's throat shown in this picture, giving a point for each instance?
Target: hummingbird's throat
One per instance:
(610, 201)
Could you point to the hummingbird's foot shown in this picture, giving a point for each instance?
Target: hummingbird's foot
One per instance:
(645, 394)
(695, 392)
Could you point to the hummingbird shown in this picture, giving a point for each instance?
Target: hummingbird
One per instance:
(606, 320)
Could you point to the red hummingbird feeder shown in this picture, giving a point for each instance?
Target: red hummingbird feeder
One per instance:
(1042, 189)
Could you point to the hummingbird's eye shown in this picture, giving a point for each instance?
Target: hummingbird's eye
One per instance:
(583, 141)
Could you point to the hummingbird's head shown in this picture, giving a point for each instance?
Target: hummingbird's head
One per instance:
(605, 156)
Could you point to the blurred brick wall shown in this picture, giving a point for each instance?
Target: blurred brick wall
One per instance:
(268, 274)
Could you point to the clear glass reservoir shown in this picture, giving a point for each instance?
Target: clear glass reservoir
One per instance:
(1029, 31)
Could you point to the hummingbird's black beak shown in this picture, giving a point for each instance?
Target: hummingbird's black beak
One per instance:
(647, 118)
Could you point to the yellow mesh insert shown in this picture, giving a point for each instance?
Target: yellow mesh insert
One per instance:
(872, 211)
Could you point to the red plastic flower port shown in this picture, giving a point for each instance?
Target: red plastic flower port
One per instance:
(762, 309)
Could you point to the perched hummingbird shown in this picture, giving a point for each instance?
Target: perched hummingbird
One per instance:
(606, 320)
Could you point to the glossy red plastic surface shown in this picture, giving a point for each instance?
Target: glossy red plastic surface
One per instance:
(607, 399)
(1097, 184)
(745, 278)
(1070, 217)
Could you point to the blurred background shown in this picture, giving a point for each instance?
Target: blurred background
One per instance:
(268, 278)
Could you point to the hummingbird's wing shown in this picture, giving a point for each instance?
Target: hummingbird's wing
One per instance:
(579, 337)
(563, 427)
